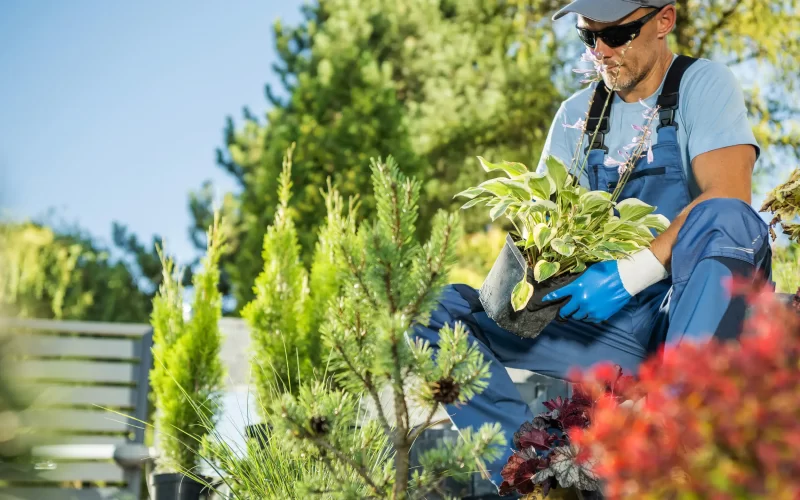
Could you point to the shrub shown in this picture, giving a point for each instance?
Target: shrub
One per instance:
(186, 366)
(719, 420)
(290, 303)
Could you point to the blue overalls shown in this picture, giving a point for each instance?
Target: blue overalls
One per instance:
(719, 238)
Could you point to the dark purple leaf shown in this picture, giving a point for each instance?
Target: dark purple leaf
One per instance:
(539, 439)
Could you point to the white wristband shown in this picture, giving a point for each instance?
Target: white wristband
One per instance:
(640, 270)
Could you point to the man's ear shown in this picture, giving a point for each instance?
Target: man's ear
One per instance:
(666, 21)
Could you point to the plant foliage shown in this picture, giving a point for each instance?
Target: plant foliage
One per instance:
(560, 226)
(784, 202)
(186, 366)
(729, 430)
(290, 303)
(391, 282)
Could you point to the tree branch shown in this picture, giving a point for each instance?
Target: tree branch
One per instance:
(434, 273)
(349, 461)
(701, 47)
(367, 381)
(355, 271)
(418, 431)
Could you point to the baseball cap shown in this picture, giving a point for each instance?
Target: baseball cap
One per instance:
(607, 11)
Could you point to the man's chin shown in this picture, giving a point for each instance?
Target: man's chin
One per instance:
(616, 83)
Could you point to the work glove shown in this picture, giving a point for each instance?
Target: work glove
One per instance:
(604, 288)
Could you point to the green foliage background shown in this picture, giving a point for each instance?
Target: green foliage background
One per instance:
(65, 274)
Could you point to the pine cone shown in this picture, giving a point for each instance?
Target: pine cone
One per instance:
(445, 390)
(319, 425)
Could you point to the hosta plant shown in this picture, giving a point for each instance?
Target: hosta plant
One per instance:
(559, 225)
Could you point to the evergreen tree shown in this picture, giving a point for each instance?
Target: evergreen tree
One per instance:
(430, 82)
(390, 283)
(290, 301)
(187, 371)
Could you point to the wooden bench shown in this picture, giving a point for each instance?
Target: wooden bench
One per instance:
(81, 452)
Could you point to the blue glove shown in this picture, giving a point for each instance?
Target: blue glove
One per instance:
(596, 296)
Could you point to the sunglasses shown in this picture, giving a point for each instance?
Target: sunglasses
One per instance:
(615, 36)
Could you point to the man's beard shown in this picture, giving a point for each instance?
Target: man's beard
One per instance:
(627, 80)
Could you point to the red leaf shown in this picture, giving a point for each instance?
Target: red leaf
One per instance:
(539, 439)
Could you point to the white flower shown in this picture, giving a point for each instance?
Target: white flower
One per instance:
(578, 125)
(594, 74)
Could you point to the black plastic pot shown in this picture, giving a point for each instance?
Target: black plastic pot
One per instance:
(495, 294)
(260, 432)
(175, 486)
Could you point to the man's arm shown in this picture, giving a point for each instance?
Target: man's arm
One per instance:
(721, 173)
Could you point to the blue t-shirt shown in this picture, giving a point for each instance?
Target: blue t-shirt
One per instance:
(711, 115)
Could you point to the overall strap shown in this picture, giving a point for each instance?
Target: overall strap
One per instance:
(597, 119)
(669, 97)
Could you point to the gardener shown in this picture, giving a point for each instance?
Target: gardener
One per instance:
(699, 177)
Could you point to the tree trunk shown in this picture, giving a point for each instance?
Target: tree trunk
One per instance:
(401, 472)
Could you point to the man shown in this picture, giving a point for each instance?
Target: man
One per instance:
(699, 177)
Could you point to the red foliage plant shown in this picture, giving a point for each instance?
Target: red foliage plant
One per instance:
(544, 456)
(719, 420)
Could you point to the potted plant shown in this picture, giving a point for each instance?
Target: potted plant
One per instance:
(559, 226)
(545, 458)
(187, 373)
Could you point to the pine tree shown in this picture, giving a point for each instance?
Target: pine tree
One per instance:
(391, 282)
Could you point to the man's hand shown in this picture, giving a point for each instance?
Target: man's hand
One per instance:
(596, 296)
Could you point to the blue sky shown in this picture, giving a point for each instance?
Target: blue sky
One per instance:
(113, 110)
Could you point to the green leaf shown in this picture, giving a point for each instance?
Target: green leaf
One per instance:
(582, 220)
(510, 168)
(626, 246)
(500, 208)
(543, 270)
(656, 221)
(600, 255)
(569, 196)
(540, 185)
(610, 246)
(612, 225)
(470, 193)
(506, 187)
(543, 206)
(541, 235)
(529, 242)
(580, 266)
(557, 171)
(633, 209)
(522, 293)
(644, 233)
(473, 202)
(595, 201)
(565, 248)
